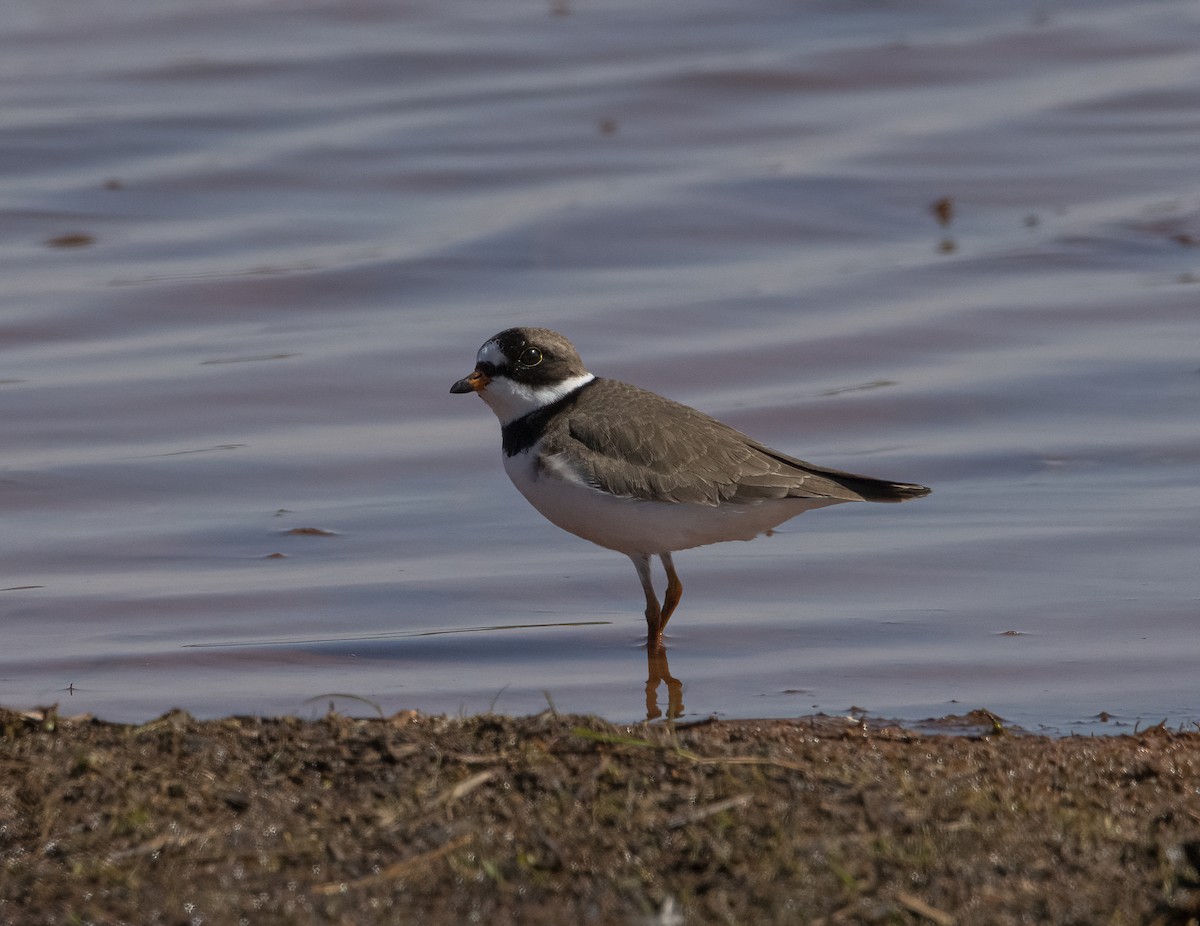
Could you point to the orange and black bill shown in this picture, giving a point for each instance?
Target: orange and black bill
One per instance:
(476, 382)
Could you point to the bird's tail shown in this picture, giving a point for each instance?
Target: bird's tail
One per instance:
(870, 489)
(823, 482)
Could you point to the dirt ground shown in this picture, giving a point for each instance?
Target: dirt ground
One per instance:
(571, 820)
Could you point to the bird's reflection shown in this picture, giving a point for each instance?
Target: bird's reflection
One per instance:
(657, 672)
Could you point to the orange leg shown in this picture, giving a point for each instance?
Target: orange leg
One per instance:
(674, 591)
(654, 617)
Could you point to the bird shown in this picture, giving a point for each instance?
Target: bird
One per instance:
(638, 473)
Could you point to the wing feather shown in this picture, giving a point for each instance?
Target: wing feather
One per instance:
(637, 444)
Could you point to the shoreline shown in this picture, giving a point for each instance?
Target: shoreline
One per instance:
(550, 818)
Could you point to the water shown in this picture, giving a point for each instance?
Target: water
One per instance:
(288, 227)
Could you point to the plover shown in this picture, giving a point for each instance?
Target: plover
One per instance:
(638, 473)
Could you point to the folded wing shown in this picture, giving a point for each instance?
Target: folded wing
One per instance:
(653, 448)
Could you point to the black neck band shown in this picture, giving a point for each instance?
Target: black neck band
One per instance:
(521, 434)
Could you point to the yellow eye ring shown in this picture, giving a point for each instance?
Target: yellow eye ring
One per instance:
(530, 357)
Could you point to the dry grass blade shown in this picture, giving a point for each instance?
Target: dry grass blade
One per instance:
(465, 787)
(168, 841)
(393, 871)
(708, 810)
(920, 908)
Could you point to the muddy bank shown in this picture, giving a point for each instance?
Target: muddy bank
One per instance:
(556, 819)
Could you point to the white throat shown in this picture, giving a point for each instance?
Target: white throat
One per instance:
(512, 400)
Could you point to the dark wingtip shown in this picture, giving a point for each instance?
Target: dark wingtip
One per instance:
(903, 491)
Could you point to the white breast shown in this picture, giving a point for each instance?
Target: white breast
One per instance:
(631, 525)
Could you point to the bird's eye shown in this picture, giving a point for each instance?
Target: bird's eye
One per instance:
(530, 357)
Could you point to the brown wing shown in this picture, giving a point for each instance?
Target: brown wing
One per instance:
(637, 444)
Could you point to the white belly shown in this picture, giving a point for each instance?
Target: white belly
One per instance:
(631, 525)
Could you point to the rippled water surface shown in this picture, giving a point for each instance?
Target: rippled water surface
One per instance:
(248, 246)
